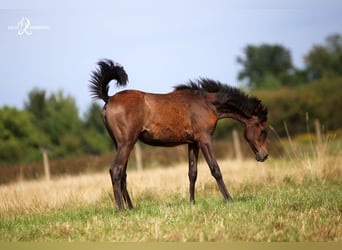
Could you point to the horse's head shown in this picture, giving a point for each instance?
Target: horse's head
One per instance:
(255, 132)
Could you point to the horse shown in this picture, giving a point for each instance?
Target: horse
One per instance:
(187, 115)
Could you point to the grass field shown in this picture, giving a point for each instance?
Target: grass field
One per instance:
(298, 199)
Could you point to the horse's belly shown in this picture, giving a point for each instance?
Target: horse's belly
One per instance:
(166, 136)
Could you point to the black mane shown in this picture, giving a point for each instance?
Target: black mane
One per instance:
(249, 105)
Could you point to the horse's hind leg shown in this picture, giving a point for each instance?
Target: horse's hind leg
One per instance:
(124, 190)
(117, 173)
(193, 156)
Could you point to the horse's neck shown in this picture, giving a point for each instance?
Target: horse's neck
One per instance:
(229, 109)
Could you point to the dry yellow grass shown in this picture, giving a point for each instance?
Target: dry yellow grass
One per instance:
(40, 196)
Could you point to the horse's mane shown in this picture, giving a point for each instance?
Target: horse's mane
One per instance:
(250, 105)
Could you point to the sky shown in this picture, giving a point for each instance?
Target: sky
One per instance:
(159, 43)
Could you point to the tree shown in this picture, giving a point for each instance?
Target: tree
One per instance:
(266, 66)
(36, 103)
(20, 139)
(57, 117)
(93, 118)
(95, 137)
(325, 60)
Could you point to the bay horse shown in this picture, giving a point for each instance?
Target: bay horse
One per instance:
(187, 115)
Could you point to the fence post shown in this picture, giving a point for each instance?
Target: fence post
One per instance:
(46, 163)
(21, 174)
(138, 156)
(319, 147)
(318, 134)
(237, 145)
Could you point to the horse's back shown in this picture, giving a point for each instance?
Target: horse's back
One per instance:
(126, 101)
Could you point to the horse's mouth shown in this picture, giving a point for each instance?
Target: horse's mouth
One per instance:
(261, 157)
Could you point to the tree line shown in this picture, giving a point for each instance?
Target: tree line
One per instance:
(270, 66)
(53, 121)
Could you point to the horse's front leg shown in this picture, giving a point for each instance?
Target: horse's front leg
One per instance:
(193, 156)
(207, 150)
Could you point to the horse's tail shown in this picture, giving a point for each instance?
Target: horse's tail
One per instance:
(107, 71)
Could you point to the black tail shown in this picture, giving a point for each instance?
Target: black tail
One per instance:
(108, 70)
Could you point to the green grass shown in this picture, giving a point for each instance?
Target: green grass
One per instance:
(307, 211)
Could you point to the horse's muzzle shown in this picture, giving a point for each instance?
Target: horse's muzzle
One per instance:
(261, 157)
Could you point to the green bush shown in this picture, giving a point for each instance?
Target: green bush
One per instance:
(300, 106)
